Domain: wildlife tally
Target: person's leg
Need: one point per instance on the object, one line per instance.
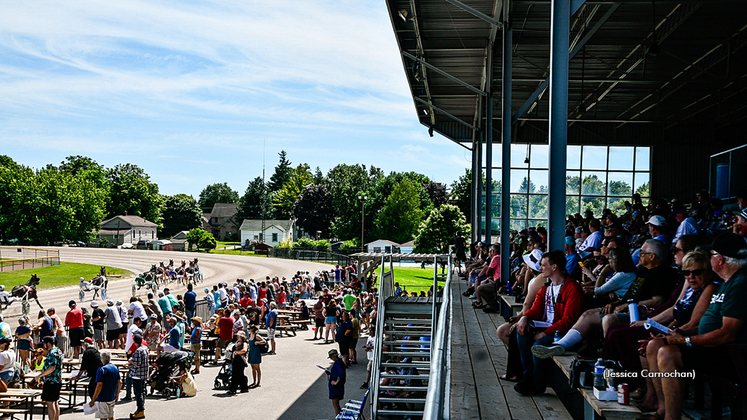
(670, 360)
(650, 402)
(525, 343)
(259, 374)
(55, 410)
(504, 332)
(652, 355)
(613, 319)
(139, 386)
(487, 294)
(272, 345)
(128, 388)
(254, 374)
(541, 367)
(336, 405)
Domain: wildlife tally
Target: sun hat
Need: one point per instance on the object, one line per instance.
(198, 319)
(119, 303)
(110, 302)
(657, 221)
(331, 353)
(154, 316)
(532, 259)
(94, 304)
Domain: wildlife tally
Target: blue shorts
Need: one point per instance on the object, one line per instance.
(330, 320)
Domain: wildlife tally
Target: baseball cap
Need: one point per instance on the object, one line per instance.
(570, 241)
(741, 213)
(88, 340)
(657, 221)
(729, 245)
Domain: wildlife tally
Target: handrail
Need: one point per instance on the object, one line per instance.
(386, 288)
(437, 402)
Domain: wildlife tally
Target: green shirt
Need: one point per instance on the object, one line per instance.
(728, 301)
(349, 300)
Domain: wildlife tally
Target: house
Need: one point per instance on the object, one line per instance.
(127, 229)
(162, 245)
(222, 222)
(275, 231)
(179, 241)
(383, 245)
(407, 247)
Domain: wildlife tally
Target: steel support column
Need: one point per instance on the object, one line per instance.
(474, 194)
(478, 185)
(489, 152)
(506, 87)
(559, 40)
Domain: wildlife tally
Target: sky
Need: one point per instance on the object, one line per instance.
(193, 91)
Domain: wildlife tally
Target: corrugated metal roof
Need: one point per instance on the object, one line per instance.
(699, 74)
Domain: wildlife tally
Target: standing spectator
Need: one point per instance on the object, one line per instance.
(152, 333)
(238, 364)
(60, 337)
(97, 320)
(90, 364)
(74, 321)
(330, 319)
(7, 359)
(139, 363)
(225, 324)
(87, 325)
(175, 305)
(370, 344)
(108, 385)
(155, 307)
(165, 305)
(336, 380)
(354, 335)
(137, 310)
(252, 314)
(195, 342)
(222, 295)
(255, 356)
(216, 297)
(113, 324)
(52, 376)
(23, 337)
(210, 299)
(134, 329)
(272, 324)
(44, 325)
(125, 322)
(343, 337)
(190, 302)
(349, 300)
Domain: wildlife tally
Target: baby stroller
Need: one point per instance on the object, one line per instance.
(223, 379)
(165, 369)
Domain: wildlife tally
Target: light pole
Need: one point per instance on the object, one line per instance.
(363, 199)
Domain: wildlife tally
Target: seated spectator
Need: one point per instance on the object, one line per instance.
(722, 323)
(594, 240)
(558, 304)
(656, 282)
(487, 289)
(624, 274)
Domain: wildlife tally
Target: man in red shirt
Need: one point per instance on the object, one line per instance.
(74, 321)
(486, 289)
(245, 301)
(225, 323)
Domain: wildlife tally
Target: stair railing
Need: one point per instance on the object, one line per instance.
(439, 382)
(386, 289)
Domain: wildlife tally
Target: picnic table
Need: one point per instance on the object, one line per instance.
(69, 386)
(294, 319)
(21, 401)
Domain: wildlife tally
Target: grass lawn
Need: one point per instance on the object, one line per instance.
(65, 274)
(237, 251)
(414, 278)
(227, 243)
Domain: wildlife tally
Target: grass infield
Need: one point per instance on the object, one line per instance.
(65, 274)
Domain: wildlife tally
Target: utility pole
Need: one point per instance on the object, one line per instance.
(363, 199)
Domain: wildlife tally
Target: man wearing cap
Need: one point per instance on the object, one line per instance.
(113, 324)
(349, 299)
(336, 376)
(108, 384)
(98, 318)
(740, 225)
(134, 329)
(139, 364)
(722, 323)
(195, 342)
(90, 364)
(190, 302)
(52, 376)
(165, 305)
(74, 321)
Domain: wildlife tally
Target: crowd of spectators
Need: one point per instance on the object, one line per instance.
(681, 265)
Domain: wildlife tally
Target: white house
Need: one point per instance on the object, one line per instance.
(382, 245)
(275, 231)
(127, 229)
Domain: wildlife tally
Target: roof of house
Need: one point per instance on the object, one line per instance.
(384, 240)
(255, 225)
(180, 236)
(224, 210)
(410, 244)
(122, 231)
(131, 220)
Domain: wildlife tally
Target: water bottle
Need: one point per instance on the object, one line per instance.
(557, 337)
(633, 311)
(599, 381)
(508, 287)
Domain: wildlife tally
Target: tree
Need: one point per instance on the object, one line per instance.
(132, 192)
(255, 202)
(437, 193)
(181, 213)
(437, 231)
(347, 183)
(282, 173)
(217, 193)
(401, 216)
(313, 210)
(202, 239)
(285, 198)
(461, 194)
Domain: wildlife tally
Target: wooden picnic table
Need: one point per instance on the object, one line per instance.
(24, 399)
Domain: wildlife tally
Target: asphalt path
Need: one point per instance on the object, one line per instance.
(292, 386)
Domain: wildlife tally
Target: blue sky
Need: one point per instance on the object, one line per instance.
(189, 91)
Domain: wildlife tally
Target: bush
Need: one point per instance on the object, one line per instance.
(285, 243)
(306, 243)
(352, 245)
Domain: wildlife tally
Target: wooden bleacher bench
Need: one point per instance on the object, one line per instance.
(608, 409)
(509, 306)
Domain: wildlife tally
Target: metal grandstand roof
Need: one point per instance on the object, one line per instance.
(653, 62)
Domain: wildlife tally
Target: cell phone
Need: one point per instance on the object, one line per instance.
(580, 264)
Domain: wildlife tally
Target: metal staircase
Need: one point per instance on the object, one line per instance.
(402, 365)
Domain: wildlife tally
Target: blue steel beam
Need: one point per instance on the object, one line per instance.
(559, 41)
(474, 12)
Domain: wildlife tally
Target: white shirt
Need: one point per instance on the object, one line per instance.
(222, 294)
(369, 353)
(7, 358)
(688, 227)
(130, 334)
(137, 310)
(592, 241)
(552, 293)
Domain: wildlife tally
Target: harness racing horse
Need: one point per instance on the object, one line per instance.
(25, 292)
(100, 282)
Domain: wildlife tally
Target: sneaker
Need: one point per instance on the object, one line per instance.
(545, 352)
(473, 297)
(365, 385)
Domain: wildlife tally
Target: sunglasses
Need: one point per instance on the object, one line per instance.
(676, 249)
(696, 272)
